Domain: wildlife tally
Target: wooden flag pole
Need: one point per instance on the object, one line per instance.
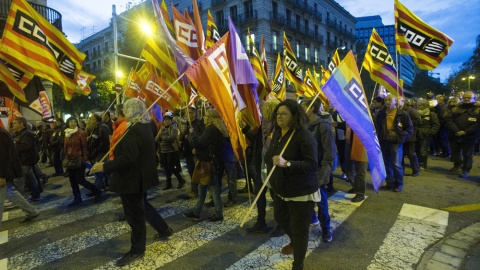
(140, 117)
(396, 60)
(273, 168)
(374, 88)
(10, 114)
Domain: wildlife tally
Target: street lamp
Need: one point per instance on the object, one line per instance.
(469, 78)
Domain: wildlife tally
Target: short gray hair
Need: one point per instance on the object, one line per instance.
(133, 109)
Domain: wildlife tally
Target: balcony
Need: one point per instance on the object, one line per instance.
(319, 38)
(278, 49)
(54, 17)
(332, 24)
(317, 15)
(248, 16)
(331, 45)
(302, 5)
(277, 18)
(218, 2)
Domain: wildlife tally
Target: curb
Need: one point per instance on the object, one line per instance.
(451, 252)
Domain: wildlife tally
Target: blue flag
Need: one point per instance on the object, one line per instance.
(344, 89)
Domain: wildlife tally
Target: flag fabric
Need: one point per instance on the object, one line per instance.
(263, 88)
(30, 39)
(7, 105)
(382, 91)
(325, 75)
(334, 62)
(212, 32)
(312, 88)
(199, 28)
(145, 70)
(166, 19)
(83, 83)
(10, 87)
(210, 75)
(291, 68)
(134, 85)
(379, 63)
(244, 79)
(345, 91)
(278, 83)
(32, 94)
(186, 34)
(156, 87)
(156, 114)
(182, 60)
(263, 58)
(425, 44)
(21, 72)
(47, 110)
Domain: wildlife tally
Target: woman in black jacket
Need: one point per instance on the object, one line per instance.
(294, 180)
(208, 147)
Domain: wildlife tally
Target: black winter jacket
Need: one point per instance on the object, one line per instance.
(301, 177)
(429, 126)
(403, 127)
(9, 161)
(465, 117)
(327, 148)
(25, 141)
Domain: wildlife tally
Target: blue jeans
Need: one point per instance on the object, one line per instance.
(3, 194)
(99, 183)
(392, 156)
(323, 215)
(30, 180)
(216, 191)
(231, 172)
(17, 198)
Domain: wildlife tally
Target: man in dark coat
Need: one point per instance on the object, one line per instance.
(409, 145)
(441, 138)
(25, 142)
(98, 146)
(10, 169)
(133, 172)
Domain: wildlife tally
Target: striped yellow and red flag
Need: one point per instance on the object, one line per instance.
(263, 58)
(156, 87)
(291, 68)
(30, 39)
(278, 89)
(166, 19)
(263, 88)
(335, 62)
(312, 88)
(325, 75)
(379, 63)
(186, 34)
(212, 32)
(83, 83)
(199, 28)
(135, 85)
(425, 44)
(22, 73)
(158, 54)
(12, 87)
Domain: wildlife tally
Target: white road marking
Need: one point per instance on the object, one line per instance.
(3, 238)
(415, 229)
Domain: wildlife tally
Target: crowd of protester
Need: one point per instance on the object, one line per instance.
(318, 139)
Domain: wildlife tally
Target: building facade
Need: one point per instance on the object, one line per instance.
(407, 69)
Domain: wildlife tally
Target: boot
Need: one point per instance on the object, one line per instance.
(181, 183)
(98, 195)
(76, 200)
(169, 184)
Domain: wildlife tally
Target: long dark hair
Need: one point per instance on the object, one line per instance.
(299, 117)
(72, 118)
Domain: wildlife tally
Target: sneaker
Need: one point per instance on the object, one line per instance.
(128, 258)
(75, 202)
(343, 176)
(229, 203)
(167, 187)
(28, 219)
(358, 198)
(9, 205)
(191, 215)
(31, 199)
(215, 218)
(315, 221)
(287, 249)
(464, 174)
(327, 235)
(163, 235)
(90, 194)
(455, 169)
(387, 187)
(181, 184)
(258, 227)
(416, 174)
(98, 196)
(397, 189)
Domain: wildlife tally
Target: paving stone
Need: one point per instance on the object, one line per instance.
(458, 243)
(454, 251)
(446, 258)
(436, 265)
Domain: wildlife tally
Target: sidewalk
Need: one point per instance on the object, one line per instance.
(460, 250)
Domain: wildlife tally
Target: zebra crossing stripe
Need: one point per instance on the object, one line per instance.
(415, 229)
(268, 255)
(5, 216)
(64, 247)
(3, 264)
(187, 240)
(3, 238)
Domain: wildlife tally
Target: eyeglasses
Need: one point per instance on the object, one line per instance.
(283, 114)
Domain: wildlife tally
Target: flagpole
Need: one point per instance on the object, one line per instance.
(396, 60)
(11, 111)
(140, 117)
(374, 88)
(273, 168)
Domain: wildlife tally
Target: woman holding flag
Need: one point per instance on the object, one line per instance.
(295, 180)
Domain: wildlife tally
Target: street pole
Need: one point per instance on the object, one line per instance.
(115, 48)
(468, 83)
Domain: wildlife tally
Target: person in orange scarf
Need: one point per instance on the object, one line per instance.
(118, 127)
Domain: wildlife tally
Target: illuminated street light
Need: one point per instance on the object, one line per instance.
(146, 28)
(119, 74)
(469, 78)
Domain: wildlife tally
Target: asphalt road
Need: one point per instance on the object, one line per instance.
(386, 230)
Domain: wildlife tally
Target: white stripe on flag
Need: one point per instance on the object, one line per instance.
(268, 255)
(416, 228)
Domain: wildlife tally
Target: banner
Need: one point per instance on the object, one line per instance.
(345, 91)
(278, 89)
(212, 32)
(291, 68)
(379, 63)
(186, 34)
(29, 39)
(10, 87)
(263, 88)
(83, 83)
(426, 45)
(154, 88)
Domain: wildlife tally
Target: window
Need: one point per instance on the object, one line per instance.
(307, 53)
(94, 66)
(94, 53)
(100, 64)
(233, 13)
(248, 6)
(219, 18)
(316, 30)
(274, 41)
(289, 17)
(316, 55)
(87, 68)
(306, 26)
(298, 49)
(86, 53)
(275, 10)
(106, 46)
(297, 21)
(98, 50)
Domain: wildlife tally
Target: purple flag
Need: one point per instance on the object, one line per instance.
(182, 60)
(239, 62)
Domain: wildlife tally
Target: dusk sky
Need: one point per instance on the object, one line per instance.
(458, 19)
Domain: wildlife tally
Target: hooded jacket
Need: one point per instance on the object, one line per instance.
(321, 129)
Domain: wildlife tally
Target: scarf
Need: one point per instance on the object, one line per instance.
(69, 132)
(424, 112)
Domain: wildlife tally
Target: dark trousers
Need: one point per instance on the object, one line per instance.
(262, 199)
(465, 149)
(423, 149)
(341, 154)
(323, 215)
(356, 172)
(392, 157)
(57, 162)
(294, 218)
(169, 163)
(76, 177)
(190, 160)
(412, 157)
(441, 140)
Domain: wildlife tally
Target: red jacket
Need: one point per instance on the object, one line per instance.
(76, 145)
(119, 128)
